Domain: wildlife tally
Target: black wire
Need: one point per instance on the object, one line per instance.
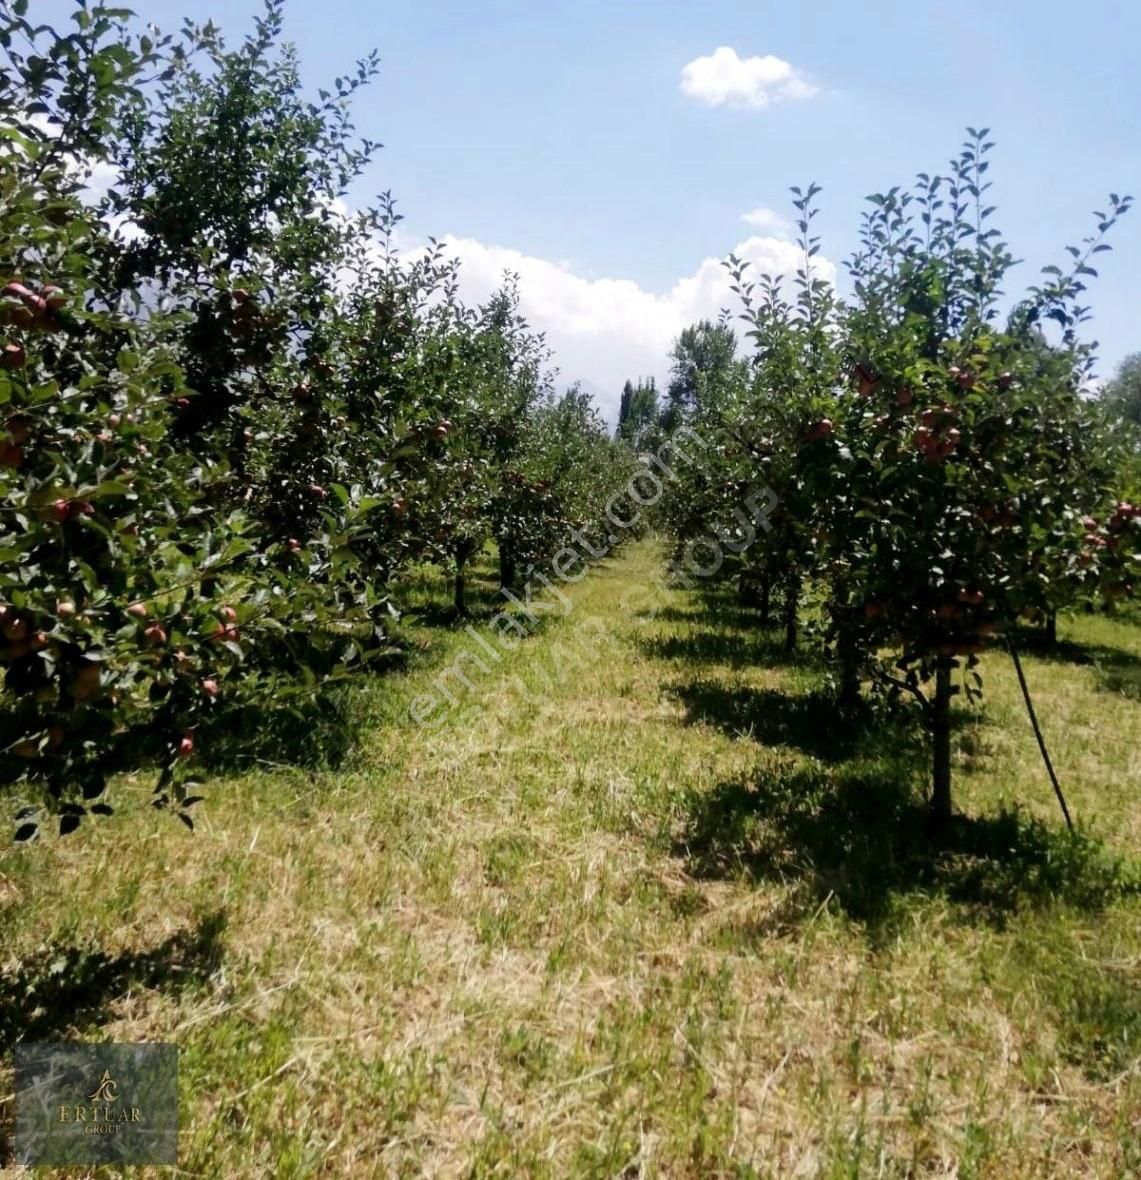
(1038, 735)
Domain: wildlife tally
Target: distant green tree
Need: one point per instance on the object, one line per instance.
(1122, 395)
(638, 412)
(625, 403)
(705, 365)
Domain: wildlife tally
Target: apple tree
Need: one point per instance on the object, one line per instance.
(968, 443)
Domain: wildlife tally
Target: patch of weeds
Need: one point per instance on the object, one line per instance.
(506, 856)
(1097, 1004)
(528, 1051)
(866, 841)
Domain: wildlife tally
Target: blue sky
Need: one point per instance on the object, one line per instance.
(557, 138)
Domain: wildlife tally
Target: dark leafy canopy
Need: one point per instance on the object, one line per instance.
(939, 472)
(231, 412)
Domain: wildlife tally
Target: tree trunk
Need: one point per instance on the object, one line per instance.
(460, 589)
(1052, 627)
(941, 747)
(791, 619)
(506, 567)
(766, 601)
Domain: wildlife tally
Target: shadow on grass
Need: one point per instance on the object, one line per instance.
(864, 840)
(809, 722)
(732, 647)
(1125, 682)
(314, 733)
(66, 989)
(1117, 669)
(1033, 642)
(483, 600)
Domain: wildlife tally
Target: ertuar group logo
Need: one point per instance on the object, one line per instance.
(106, 1091)
(96, 1104)
(105, 1116)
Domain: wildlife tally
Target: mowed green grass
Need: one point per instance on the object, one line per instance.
(645, 907)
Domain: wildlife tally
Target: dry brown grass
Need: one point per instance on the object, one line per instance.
(554, 938)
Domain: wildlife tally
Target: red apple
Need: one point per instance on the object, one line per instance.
(60, 510)
(186, 746)
(904, 397)
(294, 544)
(866, 381)
(32, 305)
(15, 628)
(156, 634)
(210, 688)
(138, 610)
(228, 613)
(53, 297)
(13, 357)
(65, 609)
(11, 455)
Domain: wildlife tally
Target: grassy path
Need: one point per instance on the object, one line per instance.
(640, 909)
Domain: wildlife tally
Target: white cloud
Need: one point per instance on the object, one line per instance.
(768, 219)
(604, 330)
(723, 78)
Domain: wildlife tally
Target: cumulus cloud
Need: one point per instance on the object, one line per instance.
(604, 330)
(768, 219)
(724, 78)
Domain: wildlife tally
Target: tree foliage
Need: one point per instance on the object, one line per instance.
(232, 412)
(939, 473)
